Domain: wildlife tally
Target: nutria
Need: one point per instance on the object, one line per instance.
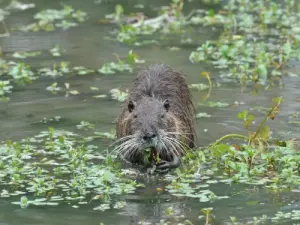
(158, 116)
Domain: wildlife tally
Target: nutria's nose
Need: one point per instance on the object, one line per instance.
(149, 136)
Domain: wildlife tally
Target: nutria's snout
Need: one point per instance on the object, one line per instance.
(149, 139)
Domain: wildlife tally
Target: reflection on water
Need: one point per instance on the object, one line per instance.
(86, 45)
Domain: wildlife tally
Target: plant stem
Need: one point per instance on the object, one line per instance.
(207, 219)
(264, 121)
(207, 75)
(227, 136)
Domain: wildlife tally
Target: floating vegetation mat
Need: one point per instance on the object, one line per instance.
(258, 38)
(57, 166)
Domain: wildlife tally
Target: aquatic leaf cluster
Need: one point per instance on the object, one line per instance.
(19, 6)
(58, 166)
(131, 28)
(171, 216)
(50, 19)
(24, 55)
(259, 161)
(5, 88)
(21, 73)
(121, 65)
(259, 40)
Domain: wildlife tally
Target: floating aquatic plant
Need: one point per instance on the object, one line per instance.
(254, 47)
(169, 20)
(50, 19)
(5, 88)
(120, 66)
(24, 55)
(60, 169)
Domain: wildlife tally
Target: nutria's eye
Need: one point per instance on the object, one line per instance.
(131, 106)
(134, 116)
(162, 116)
(166, 105)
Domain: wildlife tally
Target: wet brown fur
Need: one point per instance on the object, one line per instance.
(161, 82)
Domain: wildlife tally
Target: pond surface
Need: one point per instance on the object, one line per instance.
(87, 45)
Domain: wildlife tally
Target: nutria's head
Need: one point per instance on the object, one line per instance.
(150, 123)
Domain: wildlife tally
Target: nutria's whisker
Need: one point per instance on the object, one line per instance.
(173, 145)
(179, 144)
(164, 151)
(122, 139)
(133, 153)
(183, 135)
(123, 145)
(164, 147)
(130, 152)
(117, 143)
(182, 144)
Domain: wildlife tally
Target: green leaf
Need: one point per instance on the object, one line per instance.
(242, 115)
(265, 133)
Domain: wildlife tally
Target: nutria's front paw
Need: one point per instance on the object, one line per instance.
(164, 166)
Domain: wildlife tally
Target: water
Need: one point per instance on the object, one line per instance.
(86, 45)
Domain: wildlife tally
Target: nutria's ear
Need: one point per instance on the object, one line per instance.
(166, 105)
(131, 106)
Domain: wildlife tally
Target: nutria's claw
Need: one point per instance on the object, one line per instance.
(164, 166)
(162, 171)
